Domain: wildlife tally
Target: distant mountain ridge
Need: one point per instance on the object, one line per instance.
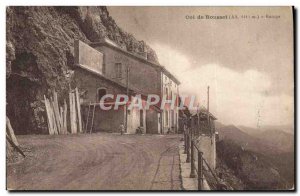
(272, 140)
(285, 128)
(282, 140)
(274, 137)
(231, 132)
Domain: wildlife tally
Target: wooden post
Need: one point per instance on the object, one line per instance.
(52, 116)
(74, 113)
(193, 172)
(78, 110)
(52, 122)
(71, 113)
(14, 145)
(200, 170)
(65, 117)
(48, 116)
(56, 112)
(10, 132)
(61, 120)
(188, 158)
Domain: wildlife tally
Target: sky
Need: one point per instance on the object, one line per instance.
(247, 62)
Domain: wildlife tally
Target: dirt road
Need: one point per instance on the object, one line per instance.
(97, 162)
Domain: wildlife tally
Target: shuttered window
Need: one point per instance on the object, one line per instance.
(118, 70)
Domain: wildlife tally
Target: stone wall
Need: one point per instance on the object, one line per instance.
(207, 145)
(142, 77)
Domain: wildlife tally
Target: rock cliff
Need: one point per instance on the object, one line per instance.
(40, 55)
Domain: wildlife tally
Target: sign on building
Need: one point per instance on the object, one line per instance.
(88, 57)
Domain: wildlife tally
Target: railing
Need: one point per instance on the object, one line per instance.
(203, 168)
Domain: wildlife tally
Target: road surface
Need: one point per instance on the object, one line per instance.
(100, 161)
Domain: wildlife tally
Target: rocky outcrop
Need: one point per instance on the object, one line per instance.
(40, 55)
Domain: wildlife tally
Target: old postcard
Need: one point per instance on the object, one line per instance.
(150, 98)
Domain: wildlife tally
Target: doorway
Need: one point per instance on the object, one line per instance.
(141, 118)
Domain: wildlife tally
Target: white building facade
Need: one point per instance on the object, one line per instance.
(170, 91)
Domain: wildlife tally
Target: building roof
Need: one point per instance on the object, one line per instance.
(202, 112)
(111, 44)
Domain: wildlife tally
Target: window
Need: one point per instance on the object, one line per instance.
(167, 92)
(103, 69)
(100, 93)
(118, 70)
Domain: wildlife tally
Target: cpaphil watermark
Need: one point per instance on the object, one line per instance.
(114, 102)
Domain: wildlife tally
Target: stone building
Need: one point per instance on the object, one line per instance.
(105, 68)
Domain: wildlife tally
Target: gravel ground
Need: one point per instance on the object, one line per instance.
(100, 161)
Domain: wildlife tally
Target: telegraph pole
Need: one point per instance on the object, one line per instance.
(127, 93)
(198, 115)
(207, 103)
(208, 118)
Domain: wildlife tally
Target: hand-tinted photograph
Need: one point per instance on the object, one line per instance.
(112, 98)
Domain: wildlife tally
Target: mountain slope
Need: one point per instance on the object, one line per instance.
(249, 130)
(275, 137)
(258, 159)
(255, 170)
(282, 140)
